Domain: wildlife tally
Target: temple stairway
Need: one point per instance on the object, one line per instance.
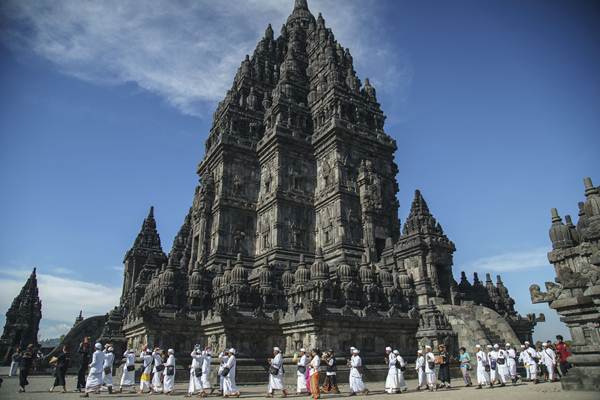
(478, 325)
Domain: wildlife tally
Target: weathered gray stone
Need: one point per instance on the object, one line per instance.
(576, 293)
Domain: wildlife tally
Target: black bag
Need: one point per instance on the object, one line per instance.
(402, 369)
(131, 368)
(487, 368)
(273, 370)
(160, 367)
(107, 370)
(302, 369)
(431, 365)
(493, 364)
(225, 372)
(170, 370)
(397, 364)
(198, 372)
(500, 361)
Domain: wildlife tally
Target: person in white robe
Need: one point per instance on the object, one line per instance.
(223, 358)
(523, 357)
(301, 372)
(93, 383)
(430, 369)
(401, 366)
(549, 360)
(195, 384)
(170, 369)
(157, 370)
(492, 355)
(107, 377)
(356, 380)
(420, 368)
(392, 385)
(229, 387)
(205, 378)
(532, 362)
(128, 375)
(276, 373)
(502, 373)
(511, 362)
(313, 373)
(14, 363)
(146, 378)
(483, 364)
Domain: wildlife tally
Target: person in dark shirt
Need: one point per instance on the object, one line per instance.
(61, 365)
(25, 364)
(444, 362)
(84, 351)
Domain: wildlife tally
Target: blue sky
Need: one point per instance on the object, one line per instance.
(105, 107)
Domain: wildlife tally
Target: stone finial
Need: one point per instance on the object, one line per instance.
(300, 5)
(555, 216)
(499, 280)
(587, 183)
(269, 32)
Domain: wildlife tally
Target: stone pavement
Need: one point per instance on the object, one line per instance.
(38, 390)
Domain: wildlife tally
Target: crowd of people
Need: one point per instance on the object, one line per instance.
(491, 364)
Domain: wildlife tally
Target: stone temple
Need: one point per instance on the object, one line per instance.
(575, 294)
(293, 237)
(22, 320)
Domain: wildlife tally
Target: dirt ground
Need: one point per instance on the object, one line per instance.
(38, 390)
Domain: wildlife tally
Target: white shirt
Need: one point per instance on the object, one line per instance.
(97, 362)
(315, 363)
(420, 362)
(197, 359)
(108, 360)
(170, 361)
(129, 358)
(206, 362)
(548, 356)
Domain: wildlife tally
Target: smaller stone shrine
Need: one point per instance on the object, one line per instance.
(575, 292)
(22, 320)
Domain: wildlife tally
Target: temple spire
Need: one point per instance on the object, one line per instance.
(300, 5)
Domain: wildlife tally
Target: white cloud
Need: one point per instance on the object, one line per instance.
(185, 51)
(62, 297)
(511, 261)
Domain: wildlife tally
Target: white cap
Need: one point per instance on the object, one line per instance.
(526, 342)
(98, 346)
(489, 346)
(148, 351)
(110, 348)
(171, 351)
(303, 350)
(232, 350)
(545, 344)
(352, 348)
(355, 351)
(419, 351)
(388, 348)
(428, 347)
(496, 346)
(478, 346)
(396, 352)
(507, 344)
(522, 346)
(277, 349)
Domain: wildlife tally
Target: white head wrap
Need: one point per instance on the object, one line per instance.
(303, 350)
(355, 351)
(545, 344)
(526, 342)
(427, 347)
(419, 351)
(522, 346)
(396, 352)
(232, 350)
(171, 351)
(478, 346)
(98, 346)
(496, 346)
(507, 344)
(388, 348)
(277, 349)
(489, 346)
